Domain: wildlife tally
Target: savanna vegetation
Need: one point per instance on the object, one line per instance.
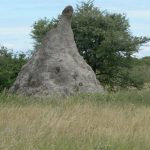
(108, 121)
(10, 65)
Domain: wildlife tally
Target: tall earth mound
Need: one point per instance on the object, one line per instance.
(57, 67)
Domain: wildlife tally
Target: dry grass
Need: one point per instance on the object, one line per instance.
(75, 126)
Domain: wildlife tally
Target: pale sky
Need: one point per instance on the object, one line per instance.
(17, 17)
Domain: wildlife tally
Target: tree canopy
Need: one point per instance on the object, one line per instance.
(10, 66)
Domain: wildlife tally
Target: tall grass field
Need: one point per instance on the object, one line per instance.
(110, 121)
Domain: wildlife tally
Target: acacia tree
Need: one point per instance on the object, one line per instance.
(103, 39)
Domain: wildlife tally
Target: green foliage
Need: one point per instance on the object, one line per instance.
(103, 39)
(10, 66)
(40, 28)
(142, 61)
(141, 70)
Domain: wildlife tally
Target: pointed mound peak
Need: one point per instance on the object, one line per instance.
(68, 11)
